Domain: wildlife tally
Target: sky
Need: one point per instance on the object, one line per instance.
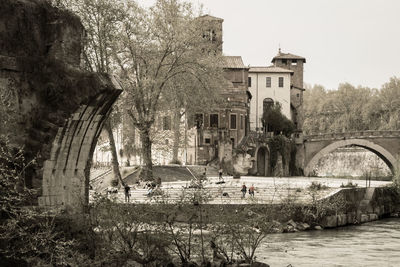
(354, 41)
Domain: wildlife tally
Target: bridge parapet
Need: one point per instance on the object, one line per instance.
(353, 134)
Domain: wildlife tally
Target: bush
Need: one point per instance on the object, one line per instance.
(316, 186)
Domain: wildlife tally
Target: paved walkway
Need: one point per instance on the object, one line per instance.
(268, 190)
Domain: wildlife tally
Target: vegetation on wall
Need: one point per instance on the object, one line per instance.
(274, 121)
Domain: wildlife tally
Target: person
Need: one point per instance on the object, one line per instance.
(127, 192)
(244, 190)
(220, 174)
(251, 190)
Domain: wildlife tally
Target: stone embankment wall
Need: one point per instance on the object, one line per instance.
(364, 205)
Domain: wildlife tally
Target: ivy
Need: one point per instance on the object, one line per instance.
(282, 145)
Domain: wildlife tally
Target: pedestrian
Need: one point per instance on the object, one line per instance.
(244, 190)
(251, 190)
(220, 175)
(127, 192)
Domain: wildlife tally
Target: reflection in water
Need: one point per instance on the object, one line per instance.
(370, 244)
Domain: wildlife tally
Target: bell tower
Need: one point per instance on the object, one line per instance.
(212, 32)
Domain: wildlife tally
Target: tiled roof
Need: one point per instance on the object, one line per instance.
(287, 56)
(233, 62)
(270, 69)
(209, 17)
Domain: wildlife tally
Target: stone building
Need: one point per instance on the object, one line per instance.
(268, 85)
(295, 64)
(282, 82)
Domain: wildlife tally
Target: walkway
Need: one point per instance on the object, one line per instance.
(268, 190)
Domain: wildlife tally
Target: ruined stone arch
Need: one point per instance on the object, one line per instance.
(381, 152)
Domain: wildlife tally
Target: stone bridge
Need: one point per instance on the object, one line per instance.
(385, 144)
(49, 105)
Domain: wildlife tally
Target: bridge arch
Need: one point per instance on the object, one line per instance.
(381, 152)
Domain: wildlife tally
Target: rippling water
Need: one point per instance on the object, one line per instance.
(370, 244)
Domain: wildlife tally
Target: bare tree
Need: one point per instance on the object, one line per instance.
(157, 49)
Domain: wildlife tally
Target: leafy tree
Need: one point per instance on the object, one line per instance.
(156, 49)
(274, 121)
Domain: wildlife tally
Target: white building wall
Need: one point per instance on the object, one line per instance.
(260, 91)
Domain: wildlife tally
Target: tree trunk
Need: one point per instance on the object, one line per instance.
(114, 157)
(147, 170)
(177, 136)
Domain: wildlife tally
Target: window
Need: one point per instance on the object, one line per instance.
(233, 121)
(207, 141)
(249, 81)
(241, 122)
(268, 81)
(198, 119)
(166, 123)
(294, 61)
(214, 120)
(280, 81)
(298, 95)
(284, 61)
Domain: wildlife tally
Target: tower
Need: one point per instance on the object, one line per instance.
(212, 31)
(295, 64)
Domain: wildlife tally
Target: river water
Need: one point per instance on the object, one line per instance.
(370, 244)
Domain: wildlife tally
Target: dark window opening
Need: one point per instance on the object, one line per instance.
(298, 95)
(198, 118)
(284, 61)
(233, 121)
(166, 141)
(294, 61)
(233, 142)
(166, 123)
(241, 122)
(249, 81)
(280, 81)
(207, 141)
(214, 120)
(268, 81)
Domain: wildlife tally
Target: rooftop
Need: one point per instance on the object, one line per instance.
(281, 55)
(233, 62)
(269, 69)
(209, 17)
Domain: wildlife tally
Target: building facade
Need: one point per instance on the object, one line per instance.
(268, 85)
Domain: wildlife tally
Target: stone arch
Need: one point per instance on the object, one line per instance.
(262, 161)
(66, 173)
(381, 152)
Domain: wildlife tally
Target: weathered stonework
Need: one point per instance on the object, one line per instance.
(48, 105)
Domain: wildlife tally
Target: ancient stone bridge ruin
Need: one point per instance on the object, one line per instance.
(49, 106)
(385, 144)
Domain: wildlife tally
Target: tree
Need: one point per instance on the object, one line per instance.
(274, 121)
(156, 49)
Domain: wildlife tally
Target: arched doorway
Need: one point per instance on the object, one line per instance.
(262, 161)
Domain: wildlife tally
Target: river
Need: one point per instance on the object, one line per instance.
(370, 244)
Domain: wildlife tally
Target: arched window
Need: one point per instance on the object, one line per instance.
(267, 103)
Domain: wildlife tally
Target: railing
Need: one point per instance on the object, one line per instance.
(363, 134)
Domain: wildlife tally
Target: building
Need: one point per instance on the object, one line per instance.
(295, 64)
(268, 85)
(282, 82)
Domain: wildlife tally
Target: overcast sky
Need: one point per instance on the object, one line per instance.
(355, 41)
